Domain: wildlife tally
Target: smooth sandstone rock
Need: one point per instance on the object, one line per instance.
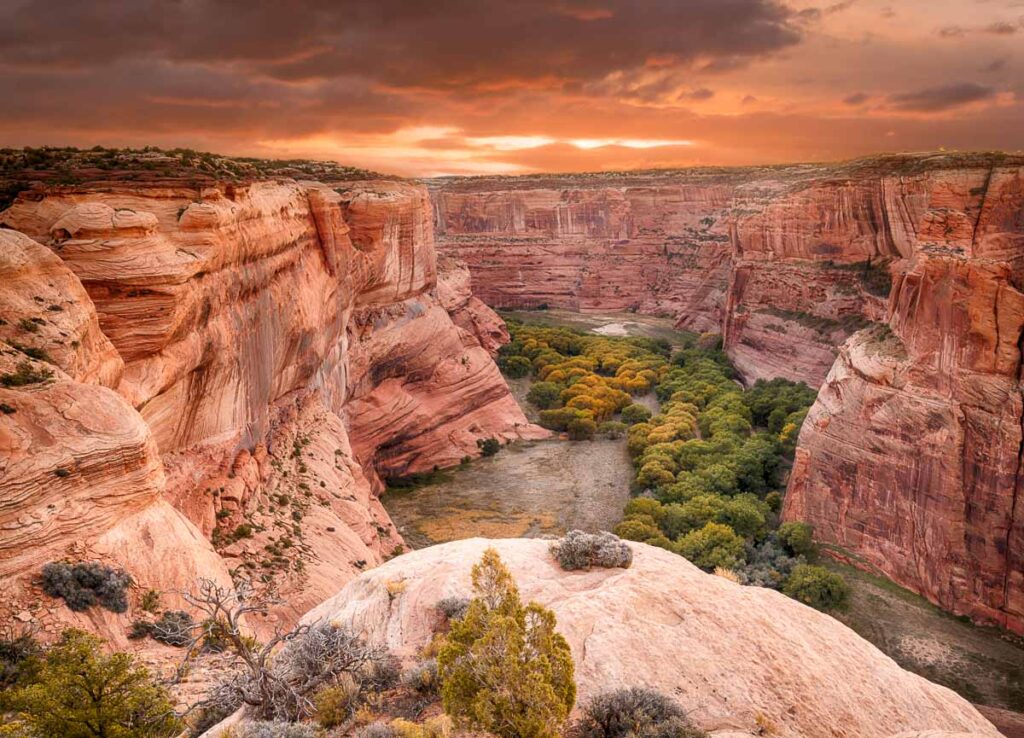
(250, 331)
(730, 655)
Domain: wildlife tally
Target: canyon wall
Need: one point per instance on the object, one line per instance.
(909, 462)
(211, 380)
(785, 262)
(896, 277)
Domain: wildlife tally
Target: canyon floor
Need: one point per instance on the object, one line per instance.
(539, 488)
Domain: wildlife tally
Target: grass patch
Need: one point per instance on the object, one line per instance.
(410, 482)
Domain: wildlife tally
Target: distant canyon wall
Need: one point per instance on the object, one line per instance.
(896, 281)
(233, 369)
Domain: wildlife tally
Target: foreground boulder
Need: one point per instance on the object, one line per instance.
(739, 659)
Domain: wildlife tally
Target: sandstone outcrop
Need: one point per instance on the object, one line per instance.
(737, 658)
(235, 362)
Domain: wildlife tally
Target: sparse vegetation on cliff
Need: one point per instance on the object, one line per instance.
(85, 584)
(635, 712)
(20, 168)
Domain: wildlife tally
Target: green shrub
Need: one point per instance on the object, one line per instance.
(83, 585)
(797, 537)
(637, 529)
(335, 703)
(544, 395)
(635, 413)
(818, 587)
(581, 429)
(504, 669)
(488, 446)
(612, 429)
(514, 367)
(80, 692)
(714, 545)
(150, 601)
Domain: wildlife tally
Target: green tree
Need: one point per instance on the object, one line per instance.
(634, 413)
(797, 537)
(544, 395)
(818, 587)
(504, 669)
(581, 429)
(712, 546)
(514, 367)
(78, 691)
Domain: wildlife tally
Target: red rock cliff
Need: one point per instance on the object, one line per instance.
(911, 458)
(785, 262)
(232, 367)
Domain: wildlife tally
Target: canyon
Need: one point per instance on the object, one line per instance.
(230, 369)
(894, 283)
(212, 376)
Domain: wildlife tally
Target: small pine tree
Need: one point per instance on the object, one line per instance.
(78, 691)
(504, 669)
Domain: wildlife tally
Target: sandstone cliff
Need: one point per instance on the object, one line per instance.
(785, 262)
(738, 659)
(235, 363)
(910, 460)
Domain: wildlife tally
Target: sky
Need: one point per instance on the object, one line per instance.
(432, 87)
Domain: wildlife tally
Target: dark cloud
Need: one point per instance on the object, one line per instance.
(996, 65)
(857, 98)
(944, 97)
(700, 94)
(952, 31)
(446, 44)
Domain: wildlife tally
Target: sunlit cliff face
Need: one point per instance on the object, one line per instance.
(511, 86)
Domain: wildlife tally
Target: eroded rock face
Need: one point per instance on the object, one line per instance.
(910, 460)
(267, 350)
(775, 259)
(731, 655)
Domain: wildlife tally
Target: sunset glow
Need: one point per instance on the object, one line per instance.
(543, 85)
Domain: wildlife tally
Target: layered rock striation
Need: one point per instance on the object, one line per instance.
(785, 262)
(910, 460)
(232, 368)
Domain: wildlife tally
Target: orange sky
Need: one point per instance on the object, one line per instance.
(469, 86)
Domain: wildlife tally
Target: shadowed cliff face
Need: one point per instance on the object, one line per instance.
(899, 278)
(225, 356)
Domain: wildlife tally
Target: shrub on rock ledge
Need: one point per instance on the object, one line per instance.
(504, 668)
(83, 585)
(580, 550)
(636, 711)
